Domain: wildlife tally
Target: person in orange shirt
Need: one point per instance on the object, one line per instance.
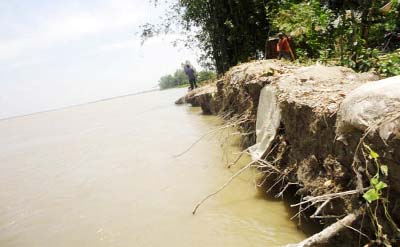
(283, 47)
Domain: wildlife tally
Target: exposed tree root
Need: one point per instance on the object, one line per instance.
(238, 158)
(280, 194)
(322, 198)
(229, 125)
(305, 152)
(325, 235)
(319, 209)
(256, 163)
(223, 186)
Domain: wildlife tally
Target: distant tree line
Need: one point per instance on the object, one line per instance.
(233, 31)
(179, 78)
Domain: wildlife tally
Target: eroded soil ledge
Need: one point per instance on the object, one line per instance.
(330, 175)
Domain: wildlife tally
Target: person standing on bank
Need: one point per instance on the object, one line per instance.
(283, 47)
(191, 74)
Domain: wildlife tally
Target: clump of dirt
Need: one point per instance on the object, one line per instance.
(306, 150)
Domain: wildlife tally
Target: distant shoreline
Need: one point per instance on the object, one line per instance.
(80, 104)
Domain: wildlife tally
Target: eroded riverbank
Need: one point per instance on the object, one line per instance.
(329, 133)
(104, 174)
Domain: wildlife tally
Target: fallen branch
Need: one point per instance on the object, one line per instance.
(223, 186)
(325, 235)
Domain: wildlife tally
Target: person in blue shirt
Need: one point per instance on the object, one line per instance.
(191, 74)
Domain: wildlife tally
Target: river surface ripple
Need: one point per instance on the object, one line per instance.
(104, 174)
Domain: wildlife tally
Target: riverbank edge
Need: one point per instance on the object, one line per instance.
(307, 159)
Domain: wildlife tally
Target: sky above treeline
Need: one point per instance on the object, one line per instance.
(65, 52)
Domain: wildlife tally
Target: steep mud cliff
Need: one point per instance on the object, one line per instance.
(329, 174)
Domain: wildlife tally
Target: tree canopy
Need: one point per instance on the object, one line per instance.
(229, 32)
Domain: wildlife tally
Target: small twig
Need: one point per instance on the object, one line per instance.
(320, 208)
(223, 186)
(284, 189)
(270, 151)
(265, 179)
(361, 227)
(359, 177)
(279, 179)
(242, 134)
(301, 209)
(358, 231)
(329, 196)
(206, 134)
(238, 158)
(266, 164)
(328, 216)
(358, 146)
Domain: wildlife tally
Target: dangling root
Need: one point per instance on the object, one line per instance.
(223, 186)
(229, 125)
(238, 158)
(325, 235)
(322, 198)
(256, 163)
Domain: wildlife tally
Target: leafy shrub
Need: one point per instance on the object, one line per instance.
(174, 80)
(205, 75)
(308, 22)
(388, 65)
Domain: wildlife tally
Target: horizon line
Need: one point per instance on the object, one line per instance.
(80, 104)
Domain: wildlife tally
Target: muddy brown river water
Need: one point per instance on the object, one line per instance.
(104, 174)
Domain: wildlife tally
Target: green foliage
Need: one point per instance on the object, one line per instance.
(230, 32)
(375, 192)
(174, 80)
(179, 78)
(346, 32)
(206, 75)
(389, 65)
(308, 22)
